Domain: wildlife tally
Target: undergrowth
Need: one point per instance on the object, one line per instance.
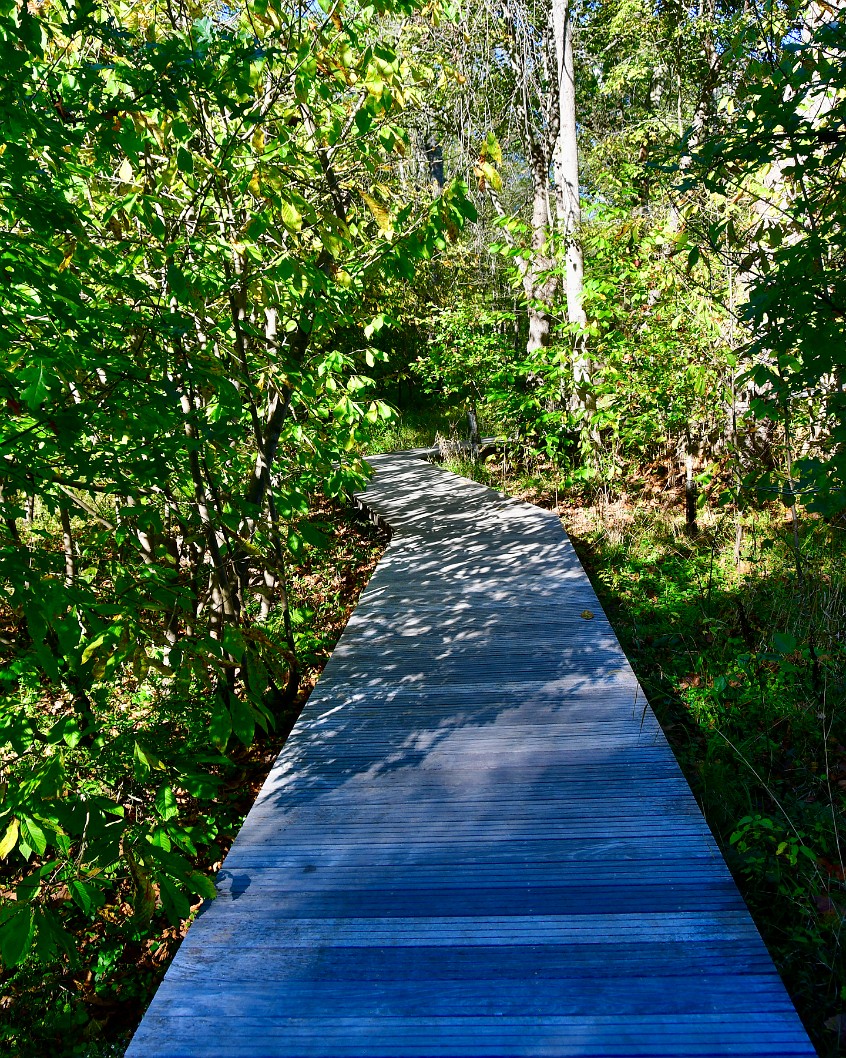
(87, 1000)
(412, 428)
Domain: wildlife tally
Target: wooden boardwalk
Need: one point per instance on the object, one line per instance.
(476, 841)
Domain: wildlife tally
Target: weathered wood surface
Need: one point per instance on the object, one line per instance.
(476, 840)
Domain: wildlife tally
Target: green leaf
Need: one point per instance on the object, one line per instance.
(312, 535)
(145, 762)
(166, 804)
(176, 280)
(34, 836)
(256, 677)
(156, 225)
(86, 897)
(184, 160)
(243, 721)
(51, 940)
(37, 389)
(107, 960)
(376, 324)
(784, 643)
(174, 902)
(491, 149)
(202, 885)
(17, 929)
(220, 725)
(291, 216)
(201, 786)
(363, 121)
(159, 839)
(232, 642)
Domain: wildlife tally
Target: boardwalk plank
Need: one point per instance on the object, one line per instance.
(584, 970)
(476, 841)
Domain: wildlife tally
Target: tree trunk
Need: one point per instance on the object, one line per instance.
(435, 160)
(689, 490)
(539, 130)
(67, 545)
(539, 281)
(473, 429)
(567, 201)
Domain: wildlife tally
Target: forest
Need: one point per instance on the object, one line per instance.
(593, 249)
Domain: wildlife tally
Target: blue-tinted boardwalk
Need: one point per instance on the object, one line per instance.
(476, 840)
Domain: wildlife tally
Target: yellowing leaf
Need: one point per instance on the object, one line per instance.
(125, 171)
(68, 257)
(491, 150)
(291, 216)
(95, 643)
(380, 214)
(374, 84)
(9, 839)
(486, 173)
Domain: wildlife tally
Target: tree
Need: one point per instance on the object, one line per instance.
(195, 210)
(777, 169)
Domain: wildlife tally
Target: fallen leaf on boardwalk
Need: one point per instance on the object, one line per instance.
(587, 614)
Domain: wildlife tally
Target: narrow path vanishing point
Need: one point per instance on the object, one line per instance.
(476, 840)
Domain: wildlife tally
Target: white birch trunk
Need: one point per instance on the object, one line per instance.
(539, 281)
(567, 200)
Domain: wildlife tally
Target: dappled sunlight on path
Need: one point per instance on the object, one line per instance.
(476, 840)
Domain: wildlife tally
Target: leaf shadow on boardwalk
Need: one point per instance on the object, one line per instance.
(476, 840)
